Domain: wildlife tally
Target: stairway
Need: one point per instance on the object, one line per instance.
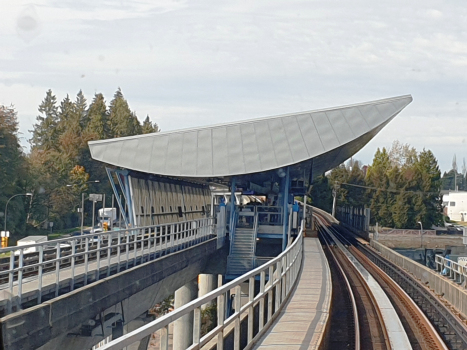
(242, 248)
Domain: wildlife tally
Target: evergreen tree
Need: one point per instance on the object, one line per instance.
(122, 121)
(400, 212)
(429, 202)
(97, 127)
(81, 110)
(60, 157)
(13, 176)
(148, 127)
(321, 195)
(381, 200)
(44, 134)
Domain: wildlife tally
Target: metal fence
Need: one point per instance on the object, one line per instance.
(449, 268)
(46, 270)
(276, 280)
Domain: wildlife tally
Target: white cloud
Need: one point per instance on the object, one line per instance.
(207, 62)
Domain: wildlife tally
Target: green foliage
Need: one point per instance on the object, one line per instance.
(164, 307)
(208, 318)
(122, 121)
(405, 193)
(148, 127)
(44, 134)
(97, 127)
(451, 179)
(321, 195)
(400, 187)
(60, 160)
(13, 172)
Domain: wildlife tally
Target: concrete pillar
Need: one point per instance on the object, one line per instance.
(206, 284)
(183, 327)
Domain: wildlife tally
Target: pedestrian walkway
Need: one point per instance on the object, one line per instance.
(302, 322)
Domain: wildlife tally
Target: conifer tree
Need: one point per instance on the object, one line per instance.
(97, 127)
(429, 202)
(44, 134)
(13, 169)
(122, 121)
(81, 110)
(148, 127)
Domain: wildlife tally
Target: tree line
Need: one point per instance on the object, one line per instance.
(401, 187)
(59, 166)
(455, 179)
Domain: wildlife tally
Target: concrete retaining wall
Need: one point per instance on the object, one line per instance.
(453, 293)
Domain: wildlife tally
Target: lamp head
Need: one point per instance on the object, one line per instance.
(29, 194)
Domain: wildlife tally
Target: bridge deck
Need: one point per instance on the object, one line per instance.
(302, 322)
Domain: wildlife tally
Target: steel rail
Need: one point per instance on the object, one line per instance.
(350, 294)
(428, 333)
(424, 326)
(436, 311)
(365, 285)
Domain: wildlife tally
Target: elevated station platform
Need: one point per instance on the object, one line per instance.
(302, 322)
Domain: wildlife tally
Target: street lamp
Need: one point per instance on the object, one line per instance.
(6, 206)
(82, 205)
(421, 234)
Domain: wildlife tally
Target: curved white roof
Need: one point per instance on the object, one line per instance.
(257, 145)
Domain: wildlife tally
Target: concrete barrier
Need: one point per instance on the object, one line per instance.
(448, 289)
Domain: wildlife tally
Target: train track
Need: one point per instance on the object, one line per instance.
(420, 332)
(368, 329)
(355, 307)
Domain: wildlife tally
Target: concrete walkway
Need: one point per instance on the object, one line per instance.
(302, 322)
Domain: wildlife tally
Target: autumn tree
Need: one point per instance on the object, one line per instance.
(60, 155)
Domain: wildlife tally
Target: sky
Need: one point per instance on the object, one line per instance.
(196, 63)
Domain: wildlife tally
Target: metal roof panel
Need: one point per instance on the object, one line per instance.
(254, 145)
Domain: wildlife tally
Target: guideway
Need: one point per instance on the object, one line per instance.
(302, 322)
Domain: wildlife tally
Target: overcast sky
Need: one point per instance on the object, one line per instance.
(204, 62)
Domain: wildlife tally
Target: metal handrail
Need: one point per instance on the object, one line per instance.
(120, 248)
(451, 269)
(282, 271)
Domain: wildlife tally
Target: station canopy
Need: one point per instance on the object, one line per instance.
(257, 151)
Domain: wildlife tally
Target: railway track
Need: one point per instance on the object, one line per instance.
(419, 330)
(353, 307)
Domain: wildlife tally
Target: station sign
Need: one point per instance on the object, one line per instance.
(94, 197)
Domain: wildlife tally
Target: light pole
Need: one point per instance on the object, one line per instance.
(8, 201)
(421, 234)
(82, 203)
(334, 195)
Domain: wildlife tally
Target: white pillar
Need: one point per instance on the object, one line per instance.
(206, 283)
(183, 327)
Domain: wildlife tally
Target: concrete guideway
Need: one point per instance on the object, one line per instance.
(302, 322)
(30, 279)
(136, 289)
(265, 300)
(394, 329)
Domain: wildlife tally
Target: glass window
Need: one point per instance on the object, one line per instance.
(452, 204)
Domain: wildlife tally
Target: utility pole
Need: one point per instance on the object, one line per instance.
(82, 212)
(334, 195)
